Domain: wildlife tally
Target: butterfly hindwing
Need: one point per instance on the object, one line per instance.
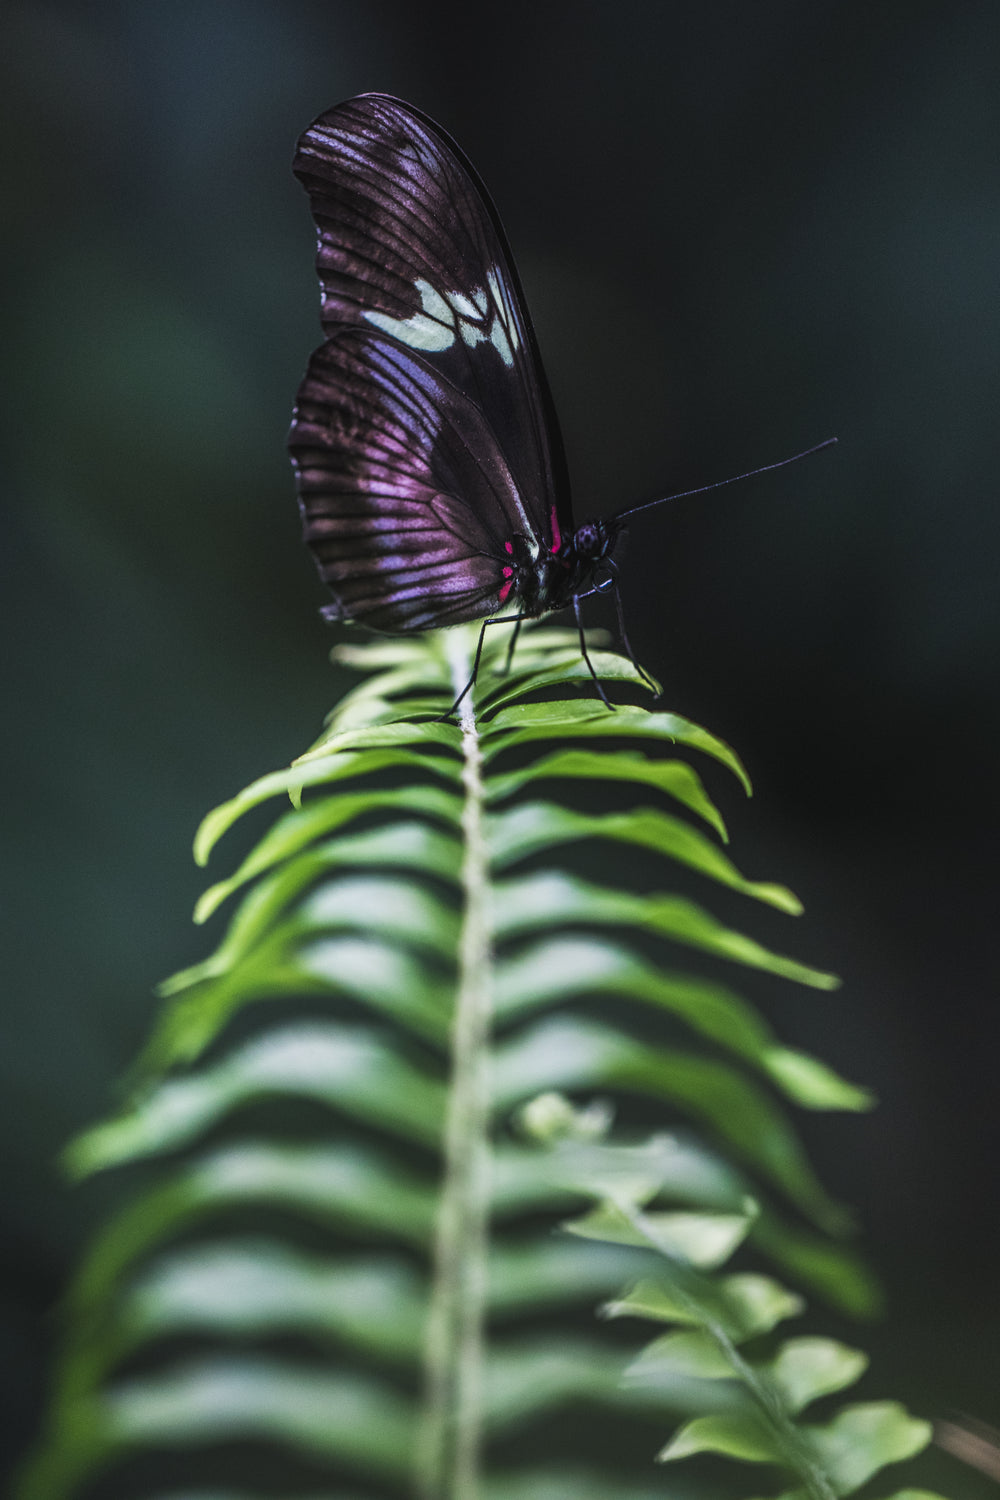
(406, 499)
(411, 251)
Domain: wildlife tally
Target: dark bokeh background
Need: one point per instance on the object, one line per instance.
(741, 228)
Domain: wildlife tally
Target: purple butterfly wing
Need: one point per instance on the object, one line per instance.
(412, 253)
(387, 455)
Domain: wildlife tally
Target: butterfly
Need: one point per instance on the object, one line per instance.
(430, 469)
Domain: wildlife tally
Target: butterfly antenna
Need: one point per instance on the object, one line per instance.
(719, 483)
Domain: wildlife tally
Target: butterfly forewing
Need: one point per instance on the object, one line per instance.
(411, 251)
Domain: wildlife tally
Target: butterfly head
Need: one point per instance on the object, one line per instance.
(591, 544)
(546, 580)
(592, 541)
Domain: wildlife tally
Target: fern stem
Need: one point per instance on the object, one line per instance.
(815, 1482)
(448, 1466)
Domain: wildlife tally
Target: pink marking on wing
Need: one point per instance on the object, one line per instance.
(509, 547)
(556, 533)
(506, 589)
(508, 572)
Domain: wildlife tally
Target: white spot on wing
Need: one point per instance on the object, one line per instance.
(443, 316)
(501, 343)
(434, 304)
(432, 329)
(504, 331)
(471, 333)
(462, 305)
(418, 332)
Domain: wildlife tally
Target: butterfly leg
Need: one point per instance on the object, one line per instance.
(623, 635)
(583, 652)
(510, 648)
(494, 620)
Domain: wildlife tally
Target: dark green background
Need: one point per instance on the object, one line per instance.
(742, 227)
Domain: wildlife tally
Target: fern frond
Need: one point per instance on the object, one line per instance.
(345, 1245)
(749, 1390)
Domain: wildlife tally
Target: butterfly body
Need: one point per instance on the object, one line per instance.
(554, 577)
